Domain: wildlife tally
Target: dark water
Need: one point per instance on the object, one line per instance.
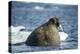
(23, 48)
(26, 14)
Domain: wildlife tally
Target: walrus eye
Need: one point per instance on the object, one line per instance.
(57, 23)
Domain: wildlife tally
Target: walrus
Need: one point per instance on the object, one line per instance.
(46, 34)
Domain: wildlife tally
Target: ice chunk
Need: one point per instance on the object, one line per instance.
(63, 36)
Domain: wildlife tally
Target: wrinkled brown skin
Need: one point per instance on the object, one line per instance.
(45, 35)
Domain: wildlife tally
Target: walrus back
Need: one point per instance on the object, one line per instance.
(45, 35)
(37, 37)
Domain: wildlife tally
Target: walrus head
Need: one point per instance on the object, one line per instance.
(54, 21)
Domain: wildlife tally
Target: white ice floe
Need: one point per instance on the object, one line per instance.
(62, 34)
(16, 29)
(18, 36)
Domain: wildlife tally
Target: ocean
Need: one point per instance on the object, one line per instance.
(32, 15)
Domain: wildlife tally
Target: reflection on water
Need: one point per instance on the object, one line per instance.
(23, 48)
